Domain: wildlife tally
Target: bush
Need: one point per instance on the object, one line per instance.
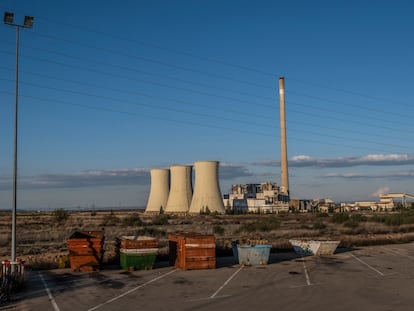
(133, 220)
(318, 226)
(218, 230)
(110, 220)
(358, 217)
(60, 215)
(151, 231)
(265, 224)
(160, 220)
(351, 223)
(322, 214)
(402, 218)
(339, 218)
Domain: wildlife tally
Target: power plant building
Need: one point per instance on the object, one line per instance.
(159, 192)
(257, 198)
(207, 195)
(178, 197)
(181, 190)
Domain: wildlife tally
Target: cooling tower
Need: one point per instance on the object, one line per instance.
(160, 186)
(284, 186)
(207, 194)
(181, 190)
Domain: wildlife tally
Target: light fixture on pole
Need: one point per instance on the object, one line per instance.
(28, 23)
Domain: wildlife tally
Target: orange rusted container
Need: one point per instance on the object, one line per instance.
(136, 242)
(191, 250)
(86, 250)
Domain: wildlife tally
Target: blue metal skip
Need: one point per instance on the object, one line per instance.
(250, 255)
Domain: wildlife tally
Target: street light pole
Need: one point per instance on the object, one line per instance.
(28, 23)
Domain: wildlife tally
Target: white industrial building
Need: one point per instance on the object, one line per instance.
(386, 203)
(257, 198)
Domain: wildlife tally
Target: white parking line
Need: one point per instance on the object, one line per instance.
(395, 252)
(131, 290)
(49, 294)
(227, 282)
(369, 266)
(308, 282)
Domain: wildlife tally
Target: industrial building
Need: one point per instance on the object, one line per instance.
(256, 198)
(172, 191)
(386, 203)
(181, 190)
(159, 192)
(206, 198)
(265, 197)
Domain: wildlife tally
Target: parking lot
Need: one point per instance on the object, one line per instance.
(368, 278)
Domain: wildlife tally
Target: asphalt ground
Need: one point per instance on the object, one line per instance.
(368, 278)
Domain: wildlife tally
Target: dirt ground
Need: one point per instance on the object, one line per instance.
(41, 236)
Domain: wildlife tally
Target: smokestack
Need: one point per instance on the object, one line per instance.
(284, 187)
(181, 190)
(160, 185)
(207, 194)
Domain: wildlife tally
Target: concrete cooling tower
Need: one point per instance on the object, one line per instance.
(160, 185)
(207, 194)
(181, 190)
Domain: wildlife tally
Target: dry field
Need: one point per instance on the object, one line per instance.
(41, 236)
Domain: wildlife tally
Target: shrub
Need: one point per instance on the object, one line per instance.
(402, 218)
(318, 226)
(322, 214)
(218, 230)
(133, 220)
(351, 223)
(110, 220)
(151, 231)
(160, 220)
(339, 218)
(265, 224)
(358, 217)
(60, 215)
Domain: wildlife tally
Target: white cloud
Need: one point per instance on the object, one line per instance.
(367, 160)
(301, 158)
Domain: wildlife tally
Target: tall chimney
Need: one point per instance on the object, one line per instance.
(284, 187)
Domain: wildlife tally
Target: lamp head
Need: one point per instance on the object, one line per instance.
(28, 21)
(8, 18)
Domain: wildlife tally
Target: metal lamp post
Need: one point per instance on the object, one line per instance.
(28, 23)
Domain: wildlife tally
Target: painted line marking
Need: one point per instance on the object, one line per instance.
(227, 282)
(131, 290)
(369, 266)
(49, 294)
(395, 252)
(308, 282)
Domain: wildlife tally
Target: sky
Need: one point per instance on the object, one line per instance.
(109, 90)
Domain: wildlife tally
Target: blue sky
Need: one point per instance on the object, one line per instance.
(109, 90)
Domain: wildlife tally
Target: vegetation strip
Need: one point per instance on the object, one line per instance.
(49, 294)
(131, 290)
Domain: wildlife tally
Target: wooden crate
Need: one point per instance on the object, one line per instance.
(191, 250)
